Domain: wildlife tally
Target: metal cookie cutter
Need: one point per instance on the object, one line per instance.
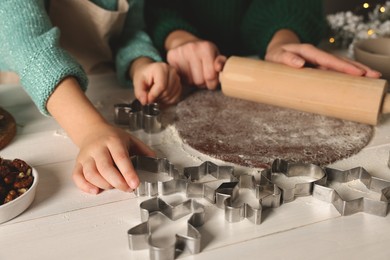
(137, 117)
(177, 183)
(207, 168)
(267, 195)
(140, 236)
(361, 204)
(313, 174)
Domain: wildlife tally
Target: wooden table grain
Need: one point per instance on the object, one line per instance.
(64, 223)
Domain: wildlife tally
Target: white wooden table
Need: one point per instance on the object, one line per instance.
(65, 223)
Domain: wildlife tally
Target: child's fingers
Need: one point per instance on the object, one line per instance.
(92, 175)
(176, 87)
(109, 172)
(160, 80)
(173, 91)
(81, 182)
(121, 158)
(140, 93)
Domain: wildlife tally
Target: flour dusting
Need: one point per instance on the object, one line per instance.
(253, 135)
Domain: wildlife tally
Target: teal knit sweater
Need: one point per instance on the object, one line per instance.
(237, 27)
(30, 46)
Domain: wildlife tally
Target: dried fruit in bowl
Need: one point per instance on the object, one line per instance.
(15, 179)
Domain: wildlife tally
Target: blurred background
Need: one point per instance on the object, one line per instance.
(332, 6)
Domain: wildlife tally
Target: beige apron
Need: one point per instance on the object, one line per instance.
(86, 30)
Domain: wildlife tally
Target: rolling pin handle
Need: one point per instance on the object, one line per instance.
(386, 104)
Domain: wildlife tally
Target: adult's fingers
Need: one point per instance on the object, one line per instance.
(219, 62)
(176, 59)
(210, 75)
(323, 59)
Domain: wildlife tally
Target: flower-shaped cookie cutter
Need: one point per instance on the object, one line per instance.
(363, 203)
(140, 236)
(194, 174)
(268, 196)
(136, 116)
(312, 173)
(158, 166)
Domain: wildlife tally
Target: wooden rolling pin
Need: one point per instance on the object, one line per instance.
(317, 91)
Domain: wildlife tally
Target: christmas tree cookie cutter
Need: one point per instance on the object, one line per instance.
(362, 203)
(152, 210)
(268, 195)
(136, 116)
(312, 174)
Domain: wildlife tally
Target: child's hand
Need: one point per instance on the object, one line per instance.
(104, 160)
(198, 62)
(155, 81)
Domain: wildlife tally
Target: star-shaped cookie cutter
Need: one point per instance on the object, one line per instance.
(136, 116)
(184, 183)
(291, 190)
(207, 168)
(177, 183)
(268, 196)
(140, 236)
(362, 204)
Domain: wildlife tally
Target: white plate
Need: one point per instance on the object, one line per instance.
(17, 206)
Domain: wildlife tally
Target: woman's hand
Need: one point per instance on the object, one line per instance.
(197, 61)
(285, 48)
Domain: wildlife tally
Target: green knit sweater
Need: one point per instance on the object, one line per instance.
(30, 46)
(238, 27)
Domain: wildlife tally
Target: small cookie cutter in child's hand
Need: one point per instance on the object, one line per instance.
(140, 236)
(362, 203)
(294, 170)
(137, 117)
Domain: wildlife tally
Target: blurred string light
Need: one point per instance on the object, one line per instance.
(367, 20)
(370, 32)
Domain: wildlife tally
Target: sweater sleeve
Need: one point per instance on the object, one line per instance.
(134, 42)
(264, 18)
(30, 47)
(164, 17)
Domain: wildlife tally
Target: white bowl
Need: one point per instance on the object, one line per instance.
(374, 53)
(17, 206)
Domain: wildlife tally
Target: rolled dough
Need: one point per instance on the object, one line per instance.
(253, 135)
